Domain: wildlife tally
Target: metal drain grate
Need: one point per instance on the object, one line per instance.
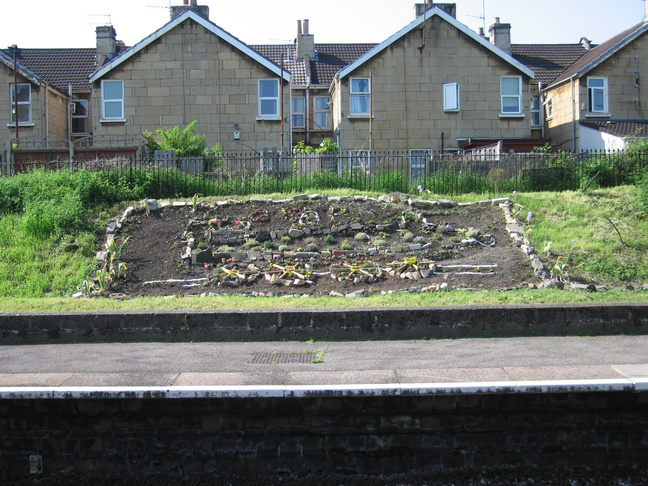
(282, 358)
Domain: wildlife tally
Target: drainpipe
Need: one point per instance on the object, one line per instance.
(69, 122)
(15, 87)
(281, 97)
(543, 121)
(46, 114)
(573, 96)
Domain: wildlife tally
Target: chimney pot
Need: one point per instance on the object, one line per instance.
(305, 41)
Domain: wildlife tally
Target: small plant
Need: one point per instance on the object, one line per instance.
(361, 237)
(329, 239)
(283, 248)
(312, 247)
(408, 236)
(268, 245)
(250, 242)
(286, 239)
(346, 245)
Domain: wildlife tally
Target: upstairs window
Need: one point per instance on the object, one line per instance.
(24, 104)
(112, 100)
(535, 111)
(360, 96)
(597, 96)
(322, 112)
(80, 116)
(269, 99)
(451, 97)
(511, 93)
(299, 112)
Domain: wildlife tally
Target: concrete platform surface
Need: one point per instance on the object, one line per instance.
(289, 367)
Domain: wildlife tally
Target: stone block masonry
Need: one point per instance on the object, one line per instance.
(326, 324)
(374, 434)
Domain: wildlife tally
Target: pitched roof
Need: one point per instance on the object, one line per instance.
(210, 26)
(7, 59)
(602, 52)
(548, 61)
(619, 128)
(61, 67)
(436, 11)
(328, 60)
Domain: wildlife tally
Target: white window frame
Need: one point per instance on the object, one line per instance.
(270, 115)
(24, 103)
(504, 97)
(354, 94)
(592, 90)
(76, 116)
(298, 115)
(536, 111)
(418, 155)
(318, 113)
(112, 102)
(451, 98)
(357, 156)
(549, 108)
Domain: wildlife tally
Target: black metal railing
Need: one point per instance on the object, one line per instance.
(439, 173)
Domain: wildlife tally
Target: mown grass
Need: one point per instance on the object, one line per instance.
(436, 299)
(52, 223)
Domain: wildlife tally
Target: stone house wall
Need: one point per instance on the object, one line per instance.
(407, 94)
(191, 74)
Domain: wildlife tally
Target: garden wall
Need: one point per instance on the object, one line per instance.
(326, 324)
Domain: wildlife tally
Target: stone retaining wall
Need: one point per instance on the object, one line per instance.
(326, 324)
(340, 434)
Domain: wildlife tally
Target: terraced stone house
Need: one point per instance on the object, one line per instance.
(434, 86)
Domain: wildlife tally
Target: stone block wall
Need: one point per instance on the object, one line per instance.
(343, 434)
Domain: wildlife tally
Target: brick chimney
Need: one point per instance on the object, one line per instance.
(421, 8)
(202, 10)
(305, 41)
(500, 35)
(106, 44)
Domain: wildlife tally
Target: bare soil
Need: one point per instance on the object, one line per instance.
(238, 249)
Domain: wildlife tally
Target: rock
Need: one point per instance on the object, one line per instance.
(333, 293)
(295, 233)
(515, 228)
(446, 203)
(262, 235)
(529, 250)
(300, 197)
(259, 200)
(205, 256)
(500, 200)
(152, 205)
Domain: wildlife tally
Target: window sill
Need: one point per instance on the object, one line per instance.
(359, 116)
(452, 111)
(597, 115)
(512, 115)
(112, 120)
(21, 125)
(269, 118)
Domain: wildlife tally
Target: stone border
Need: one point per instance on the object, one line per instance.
(515, 229)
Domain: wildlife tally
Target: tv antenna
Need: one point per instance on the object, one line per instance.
(160, 4)
(107, 21)
(482, 17)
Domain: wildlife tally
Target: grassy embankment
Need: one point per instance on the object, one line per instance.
(52, 224)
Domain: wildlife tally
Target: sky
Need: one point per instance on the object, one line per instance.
(72, 23)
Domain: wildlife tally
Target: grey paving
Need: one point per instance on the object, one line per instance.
(379, 363)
